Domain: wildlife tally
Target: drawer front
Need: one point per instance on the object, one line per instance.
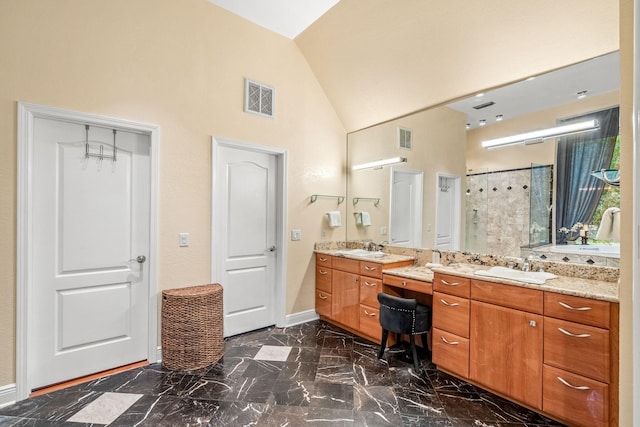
(413, 285)
(575, 399)
(323, 260)
(323, 279)
(577, 309)
(371, 269)
(369, 290)
(370, 322)
(453, 285)
(515, 297)
(450, 352)
(323, 304)
(345, 264)
(578, 348)
(451, 314)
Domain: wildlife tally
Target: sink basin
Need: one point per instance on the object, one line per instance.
(361, 252)
(534, 277)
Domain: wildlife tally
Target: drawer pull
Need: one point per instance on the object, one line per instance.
(371, 285)
(369, 314)
(567, 306)
(366, 267)
(404, 283)
(564, 331)
(448, 304)
(323, 272)
(575, 387)
(323, 259)
(444, 282)
(322, 296)
(444, 340)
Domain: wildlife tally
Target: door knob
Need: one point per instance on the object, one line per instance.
(140, 259)
(272, 248)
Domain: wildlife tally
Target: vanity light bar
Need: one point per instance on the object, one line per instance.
(380, 163)
(538, 135)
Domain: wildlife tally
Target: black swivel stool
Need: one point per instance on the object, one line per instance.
(404, 316)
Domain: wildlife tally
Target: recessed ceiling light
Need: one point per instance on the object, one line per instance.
(482, 122)
(468, 126)
(499, 118)
(582, 94)
(480, 95)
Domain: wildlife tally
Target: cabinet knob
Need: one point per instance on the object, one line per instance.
(532, 323)
(404, 283)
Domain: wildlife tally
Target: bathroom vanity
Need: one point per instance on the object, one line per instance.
(552, 348)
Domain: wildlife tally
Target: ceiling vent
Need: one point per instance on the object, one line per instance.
(404, 138)
(485, 105)
(258, 98)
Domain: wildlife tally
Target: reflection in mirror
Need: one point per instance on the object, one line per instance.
(517, 217)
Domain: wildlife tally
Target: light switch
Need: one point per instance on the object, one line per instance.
(296, 235)
(383, 231)
(184, 239)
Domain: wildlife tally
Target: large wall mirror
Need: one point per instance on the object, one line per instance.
(442, 189)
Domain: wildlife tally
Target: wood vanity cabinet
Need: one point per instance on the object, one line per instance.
(347, 293)
(450, 347)
(580, 359)
(506, 340)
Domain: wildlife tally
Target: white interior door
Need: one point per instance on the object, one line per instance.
(405, 217)
(447, 212)
(89, 301)
(247, 187)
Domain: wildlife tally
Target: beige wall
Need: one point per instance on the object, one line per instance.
(179, 65)
(521, 156)
(439, 143)
(395, 58)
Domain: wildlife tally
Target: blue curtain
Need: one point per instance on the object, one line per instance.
(578, 193)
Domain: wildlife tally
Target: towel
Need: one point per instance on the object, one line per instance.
(366, 219)
(609, 228)
(334, 219)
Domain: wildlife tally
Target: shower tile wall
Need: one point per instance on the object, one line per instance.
(497, 212)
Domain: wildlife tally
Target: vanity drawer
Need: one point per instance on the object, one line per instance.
(369, 290)
(579, 400)
(453, 285)
(371, 269)
(404, 283)
(577, 309)
(323, 260)
(450, 352)
(515, 297)
(577, 348)
(323, 304)
(370, 322)
(323, 279)
(451, 313)
(345, 264)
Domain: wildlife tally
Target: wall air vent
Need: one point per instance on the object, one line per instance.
(258, 98)
(485, 105)
(404, 138)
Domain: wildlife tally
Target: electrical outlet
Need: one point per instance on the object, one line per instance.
(296, 235)
(184, 239)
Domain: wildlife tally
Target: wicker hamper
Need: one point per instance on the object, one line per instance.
(192, 327)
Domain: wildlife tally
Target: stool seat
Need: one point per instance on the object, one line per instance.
(403, 316)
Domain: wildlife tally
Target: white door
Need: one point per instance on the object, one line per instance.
(405, 217)
(89, 302)
(247, 185)
(447, 212)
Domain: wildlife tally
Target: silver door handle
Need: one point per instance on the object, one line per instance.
(272, 248)
(139, 259)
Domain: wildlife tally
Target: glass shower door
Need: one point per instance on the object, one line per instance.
(541, 204)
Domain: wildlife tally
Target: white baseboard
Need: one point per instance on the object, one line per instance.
(158, 355)
(7, 395)
(301, 317)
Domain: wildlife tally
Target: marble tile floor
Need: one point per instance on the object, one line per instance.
(311, 374)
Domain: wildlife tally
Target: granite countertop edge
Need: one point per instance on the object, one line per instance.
(386, 259)
(586, 288)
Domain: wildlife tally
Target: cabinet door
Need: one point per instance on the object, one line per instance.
(345, 295)
(506, 351)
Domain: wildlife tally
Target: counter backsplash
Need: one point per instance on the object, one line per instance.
(423, 256)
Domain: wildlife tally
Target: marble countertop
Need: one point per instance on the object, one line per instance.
(385, 259)
(594, 289)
